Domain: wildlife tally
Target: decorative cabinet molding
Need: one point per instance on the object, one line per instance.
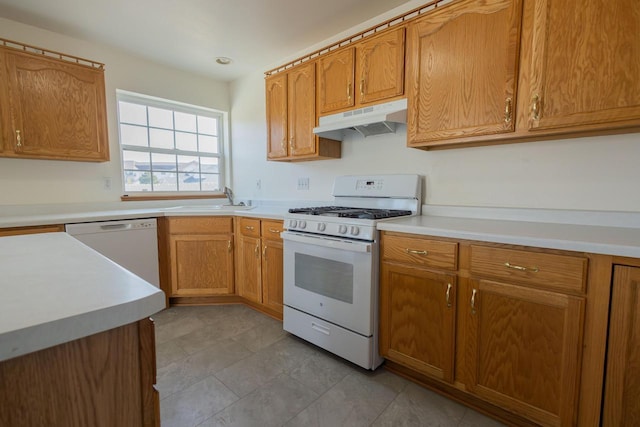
(52, 108)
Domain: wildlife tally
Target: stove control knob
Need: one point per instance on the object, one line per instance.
(302, 224)
(322, 226)
(293, 223)
(342, 229)
(355, 230)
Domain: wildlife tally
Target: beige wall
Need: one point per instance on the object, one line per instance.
(46, 181)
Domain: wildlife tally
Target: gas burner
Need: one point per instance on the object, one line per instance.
(318, 210)
(349, 212)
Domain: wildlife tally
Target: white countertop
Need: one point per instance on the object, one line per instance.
(55, 290)
(582, 238)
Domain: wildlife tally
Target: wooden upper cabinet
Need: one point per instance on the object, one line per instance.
(585, 63)
(462, 62)
(302, 110)
(621, 403)
(380, 67)
(277, 125)
(370, 71)
(335, 80)
(54, 109)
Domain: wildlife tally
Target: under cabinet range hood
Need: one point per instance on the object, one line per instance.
(374, 120)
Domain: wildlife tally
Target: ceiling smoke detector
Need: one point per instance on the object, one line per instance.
(223, 60)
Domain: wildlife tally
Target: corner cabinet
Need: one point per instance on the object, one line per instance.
(51, 108)
(462, 63)
(200, 256)
(291, 117)
(371, 71)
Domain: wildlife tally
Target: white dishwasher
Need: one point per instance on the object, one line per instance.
(133, 244)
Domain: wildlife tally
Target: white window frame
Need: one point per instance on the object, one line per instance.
(151, 101)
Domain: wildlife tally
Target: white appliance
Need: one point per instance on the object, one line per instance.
(331, 264)
(133, 244)
(372, 120)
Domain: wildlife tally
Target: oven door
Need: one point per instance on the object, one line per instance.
(332, 279)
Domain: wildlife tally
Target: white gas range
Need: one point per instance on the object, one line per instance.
(331, 263)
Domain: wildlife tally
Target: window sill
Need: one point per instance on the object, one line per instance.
(145, 197)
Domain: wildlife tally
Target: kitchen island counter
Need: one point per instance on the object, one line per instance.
(56, 290)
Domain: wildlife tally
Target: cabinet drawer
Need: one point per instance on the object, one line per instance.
(425, 252)
(271, 229)
(560, 272)
(201, 225)
(249, 227)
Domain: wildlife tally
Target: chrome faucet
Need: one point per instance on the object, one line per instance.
(227, 192)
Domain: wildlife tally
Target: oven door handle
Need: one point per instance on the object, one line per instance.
(328, 242)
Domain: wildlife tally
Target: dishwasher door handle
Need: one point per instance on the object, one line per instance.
(115, 227)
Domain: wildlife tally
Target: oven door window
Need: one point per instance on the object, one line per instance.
(326, 277)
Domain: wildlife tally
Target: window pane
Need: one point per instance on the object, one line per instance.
(159, 138)
(137, 181)
(189, 182)
(165, 181)
(132, 113)
(185, 121)
(207, 125)
(186, 141)
(135, 160)
(188, 164)
(210, 182)
(208, 144)
(163, 162)
(209, 164)
(160, 118)
(134, 135)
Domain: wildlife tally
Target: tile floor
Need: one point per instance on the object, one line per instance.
(232, 366)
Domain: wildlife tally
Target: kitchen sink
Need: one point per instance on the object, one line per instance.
(207, 208)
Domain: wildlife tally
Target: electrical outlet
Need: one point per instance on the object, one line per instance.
(106, 183)
(303, 183)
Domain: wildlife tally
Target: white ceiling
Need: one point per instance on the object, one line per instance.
(190, 34)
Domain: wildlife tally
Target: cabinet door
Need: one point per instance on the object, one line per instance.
(585, 64)
(621, 402)
(462, 62)
(249, 268)
(417, 319)
(381, 67)
(276, 116)
(272, 274)
(302, 111)
(201, 264)
(58, 109)
(524, 350)
(335, 81)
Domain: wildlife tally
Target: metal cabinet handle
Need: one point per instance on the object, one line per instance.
(257, 250)
(349, 91)
(264, 252)
(283, 145)
(249, 227)
(273, 230)
(362, 87)
(292, 145)
(508, 110)
(229, 246)
(18, 139)
(521, 268)
(416, 252)
(535, 107)
(448, 295)
(473, 301)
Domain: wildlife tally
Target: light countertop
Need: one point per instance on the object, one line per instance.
(55, 290)
(582, 238)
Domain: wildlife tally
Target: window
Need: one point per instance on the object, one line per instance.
(169, 146)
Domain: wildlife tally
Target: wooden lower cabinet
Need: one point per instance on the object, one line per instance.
(418, 319)
(524, 346)
(15, 231)
(507, 336)
(259, 274)
(102, 380)
(201, 256)
(622, 390)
